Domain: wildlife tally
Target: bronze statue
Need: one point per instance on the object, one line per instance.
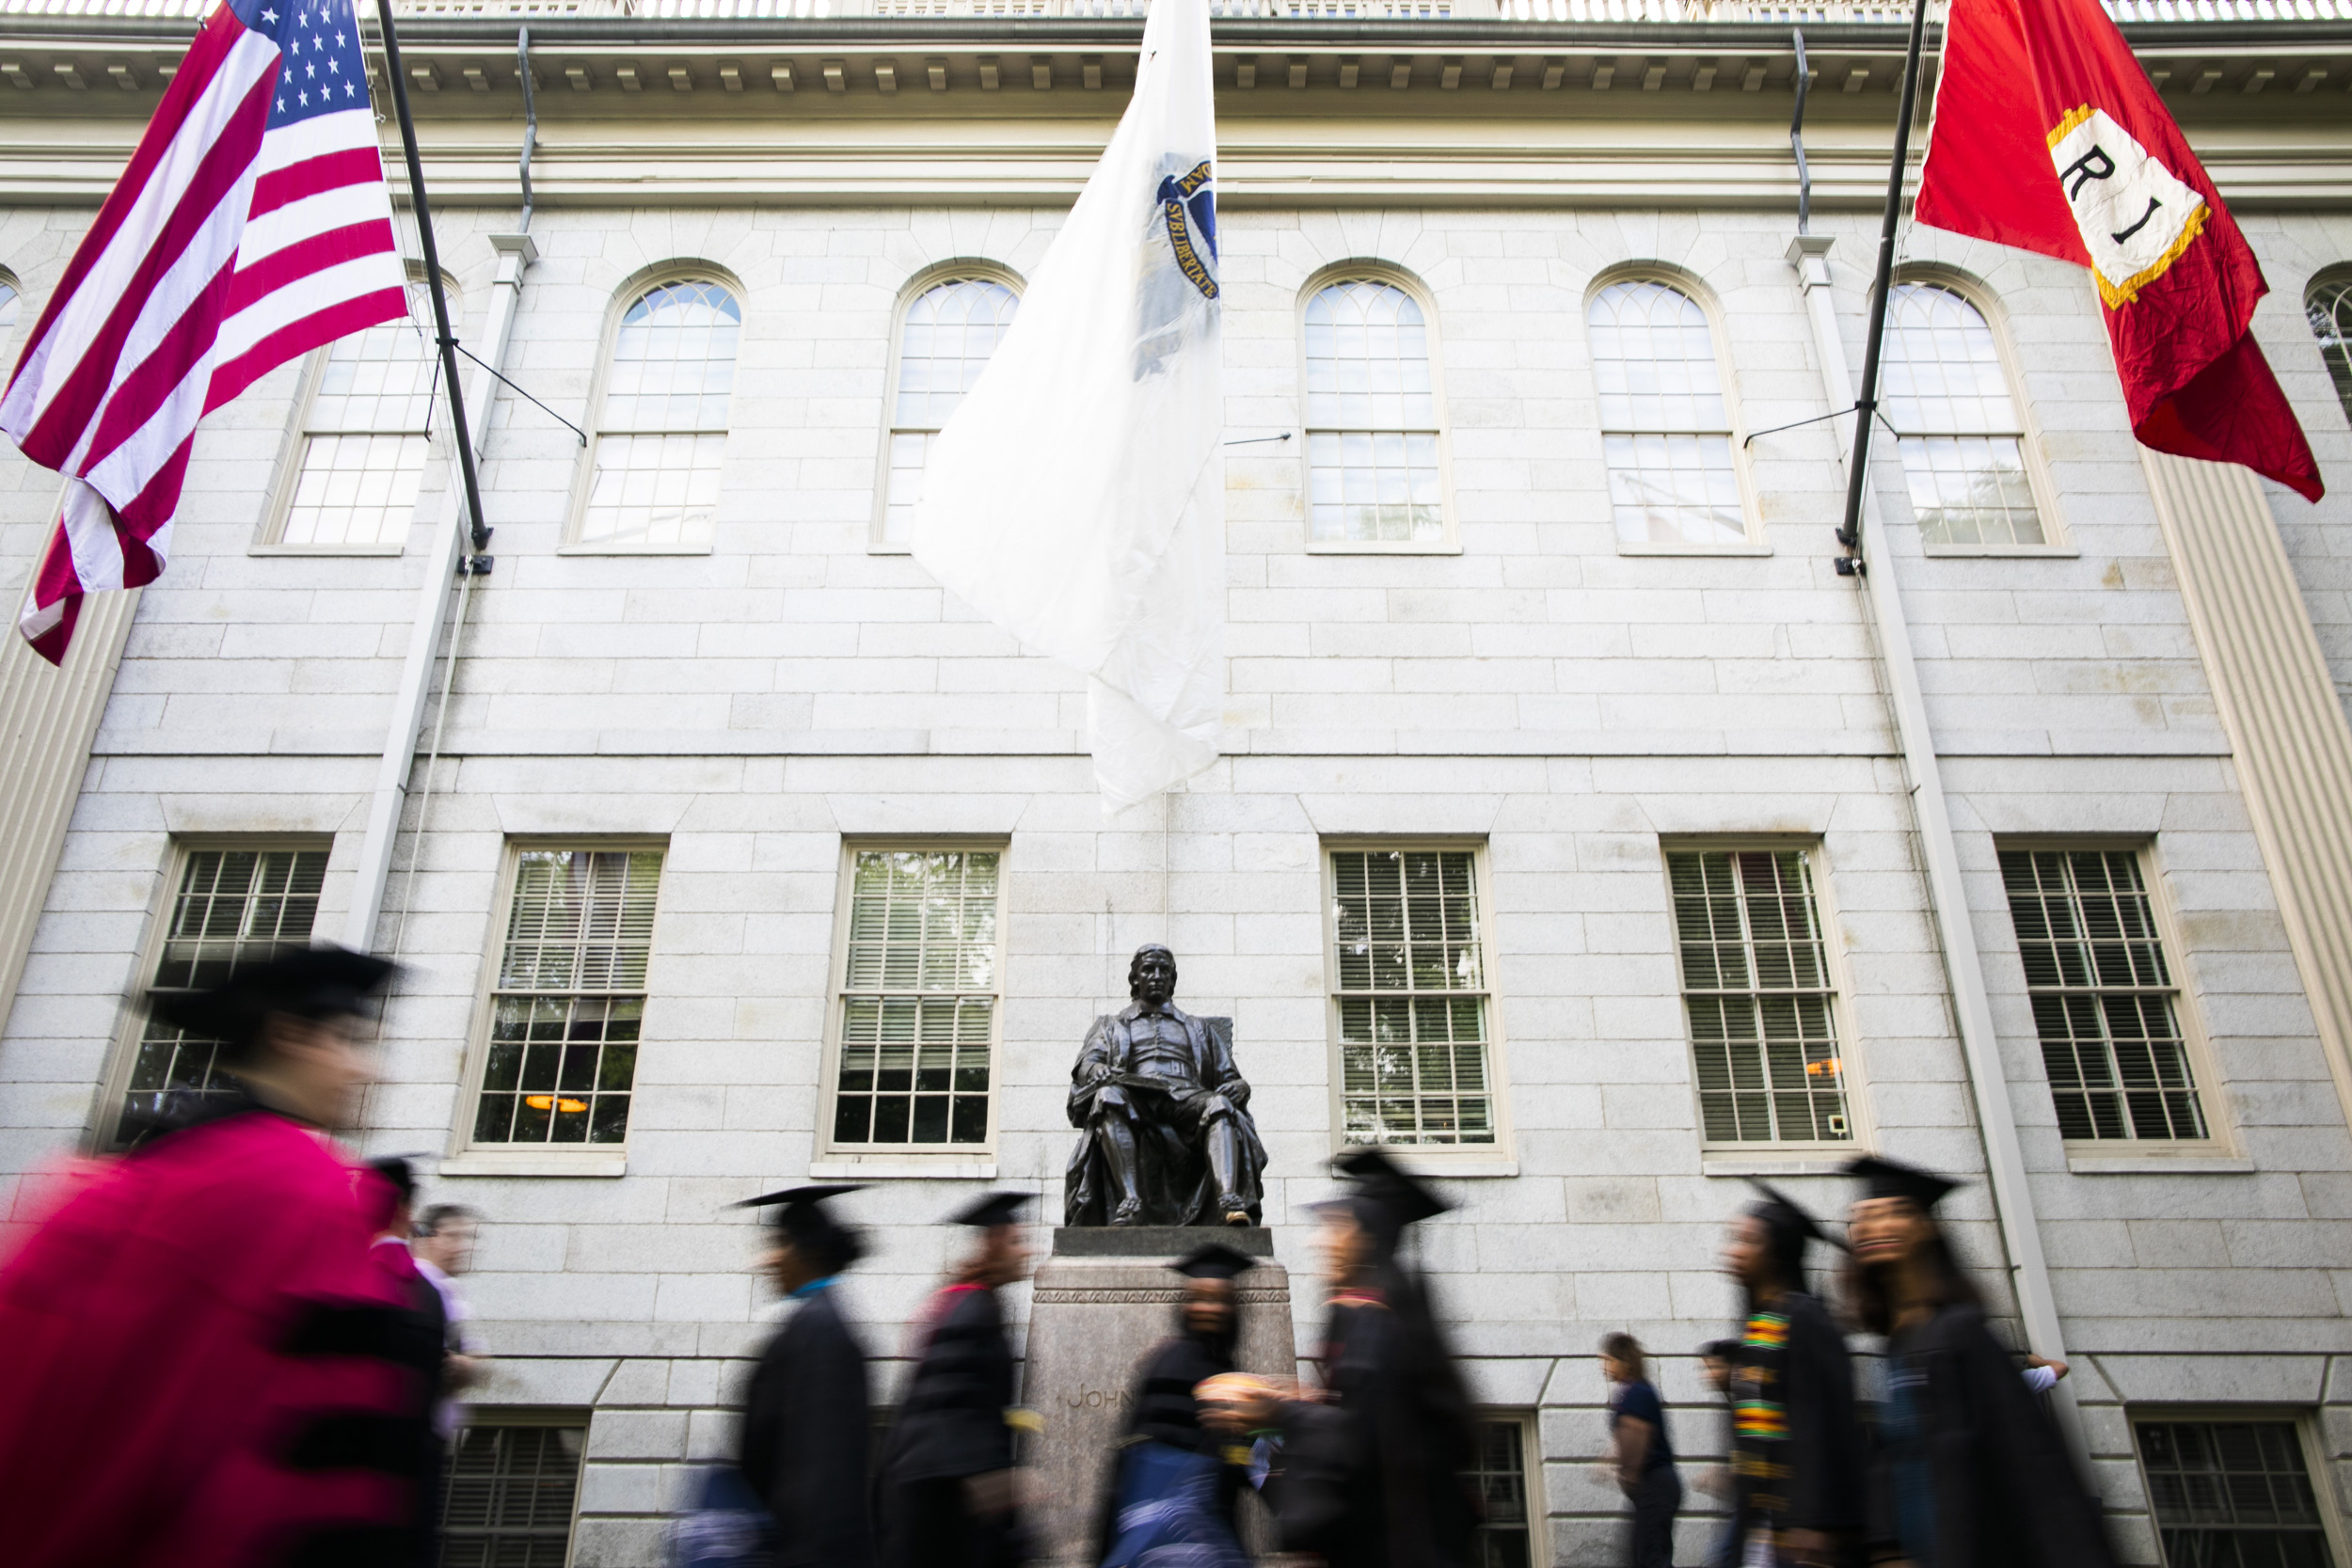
(1168, 1138)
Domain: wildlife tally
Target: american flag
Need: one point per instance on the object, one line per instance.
(252, 227)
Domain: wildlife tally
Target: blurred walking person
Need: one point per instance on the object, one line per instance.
(429, 1320)
(809, 1412)
(1643, 1456)
(1796, 1448)
(1715, 1360)
(446, 1236)
(1970, 1471)
(201, 1356)
(949, 1496)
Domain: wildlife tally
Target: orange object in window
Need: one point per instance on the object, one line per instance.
(1827, 1065)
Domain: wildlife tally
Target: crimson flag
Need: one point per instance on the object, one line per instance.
(2048, 136)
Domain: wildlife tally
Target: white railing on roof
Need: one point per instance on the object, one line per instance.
(1803, 12)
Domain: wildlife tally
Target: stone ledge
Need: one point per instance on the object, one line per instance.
(1158, 1241)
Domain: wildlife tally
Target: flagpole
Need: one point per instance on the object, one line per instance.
(477, 562)
(1867, 405)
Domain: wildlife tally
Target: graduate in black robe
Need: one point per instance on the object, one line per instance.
(1373, 1475)
(1969, 1469)
(1173, 1480)
(1796, 1445)
(808, 1412)
(947, 1495)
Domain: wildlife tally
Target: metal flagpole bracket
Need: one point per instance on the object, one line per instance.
(477, 562)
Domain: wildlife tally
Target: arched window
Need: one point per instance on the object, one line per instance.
(1962, 444)
(664, 428)
(12, 301)
(2329, 308)
(363, 442)
(1665, 428)
(1373, 476)
(944, 342)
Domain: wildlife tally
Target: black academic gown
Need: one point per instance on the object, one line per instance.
(2005, 1491)
(806, 1425)
(1797, 1454)
(1163, 1410)
(1375, 1479)
(950, 1427)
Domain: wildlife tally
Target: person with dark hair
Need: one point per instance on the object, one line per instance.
(948, 1495)
(1174, 1479)
(1372, 1471)
(1796, 1448)
(1643, 1460)
(199, 1353)
(1970, 1471)
(446, 1235)
(430, 1320)
(1715, 1361)
(809, 1413)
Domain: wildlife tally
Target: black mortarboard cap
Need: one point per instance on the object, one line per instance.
(992, 1210)
(1381, 1180)
(308, 982)
(396, 1169)
(1778, 1210)
(1892, 1179)
(1214, 1261)
(800, 1211)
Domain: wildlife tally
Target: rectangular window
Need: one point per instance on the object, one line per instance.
(363, 446)
(2233, 1493)
(1410, 964)
(512, 1490)
(568, 1001)
(2103, 998)
(1758, 997)
(230, 908)
(1501, 1473)
(918, 999)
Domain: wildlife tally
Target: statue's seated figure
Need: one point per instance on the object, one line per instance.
(1168, 1138)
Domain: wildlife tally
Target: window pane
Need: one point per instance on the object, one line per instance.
(950, 332)
(654, 490)
(1756, 994)
(1970, 490)
(674, 360)
(381, 379)
(510, 1496)
(1500, 1474)
(2103, 994)
(1944, 371)
(570, 1006)
(1368, 359)
(1412, 997)
(2330, 311)
(918, 998)
(909, 450)
(1654, 362)
(1666, 489)
(233, 907)
(2232, 1495)
(1372, 485)
(355, 490)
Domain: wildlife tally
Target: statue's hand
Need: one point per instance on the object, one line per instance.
(1097, 1074)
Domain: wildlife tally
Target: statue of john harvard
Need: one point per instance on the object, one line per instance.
(1165, 1114)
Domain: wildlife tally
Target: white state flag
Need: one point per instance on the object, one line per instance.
(1076, 496)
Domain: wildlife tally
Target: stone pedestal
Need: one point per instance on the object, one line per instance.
(1102, 1300)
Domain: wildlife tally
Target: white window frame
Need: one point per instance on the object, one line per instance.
(1793, 1155)
(2056, 540)
(1498, 1158)
(469, 1158)
(915, 288)
(1449, 513)
(1529, 1423)
(1694, 289)
(2309, 1434)
(867, 1161)
(2335, 280)
(581, 1416)
(2096, 1156)
(105, 1119)
(584, 476)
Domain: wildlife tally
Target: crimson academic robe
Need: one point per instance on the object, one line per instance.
(203, 1367)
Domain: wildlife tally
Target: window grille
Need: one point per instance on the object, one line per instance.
(2103, 998)
(1499, 1473)
(12, 303)
(510, 1496)
(918, 998)
(232, 908)
(1962, 444)
(569, 1003)
(1412, 997)
(2233, 1493)
(364, 443)
(1372, 418)
(1665, 428)
(664, 430)
(2329, 310)
(949, 332)
(1757, 994)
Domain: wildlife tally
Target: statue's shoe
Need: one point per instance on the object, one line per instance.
(1236, 1211)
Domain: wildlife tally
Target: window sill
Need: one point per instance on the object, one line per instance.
(1795, 1162)
(327, 549)
(1377, 546)
(483, 1162)
(882, 1167)
(634, 549)
(1629, 548)
(877, 547)
(2155, 1163)
(1999, 552)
